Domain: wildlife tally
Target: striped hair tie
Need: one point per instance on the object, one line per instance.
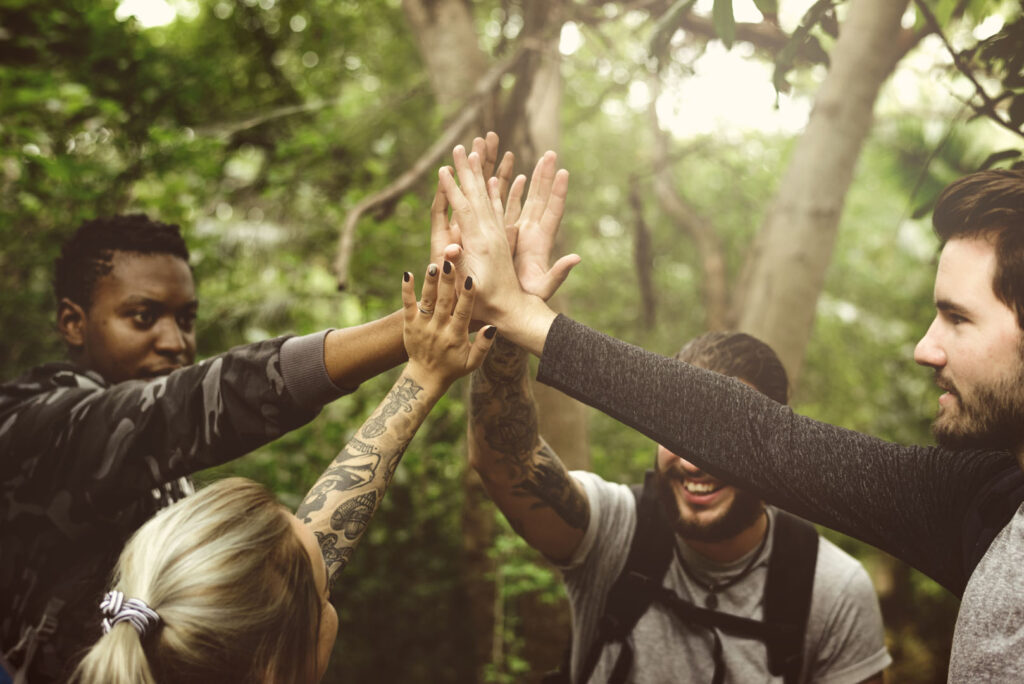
(116, 608)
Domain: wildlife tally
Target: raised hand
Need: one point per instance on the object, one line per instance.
(536, 226)
(436, 329)
(444, 232)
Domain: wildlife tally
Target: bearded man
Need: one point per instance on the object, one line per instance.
(721, 543)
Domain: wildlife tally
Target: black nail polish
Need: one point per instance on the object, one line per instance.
(406, 276)
(469, 282)
(447, 267)
(490, 332)
(432, 270)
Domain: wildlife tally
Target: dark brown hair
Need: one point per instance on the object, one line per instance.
(989, 204)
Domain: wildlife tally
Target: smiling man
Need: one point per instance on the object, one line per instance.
(954, 511)
(715, 544)
(90, 448)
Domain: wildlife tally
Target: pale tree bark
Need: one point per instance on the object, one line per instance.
(447, 41)
(785, 274)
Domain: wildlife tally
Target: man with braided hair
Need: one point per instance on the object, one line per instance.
(91, 447)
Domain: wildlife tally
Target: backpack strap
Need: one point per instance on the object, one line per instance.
(997, 504)
(787, 594)
(649, 557)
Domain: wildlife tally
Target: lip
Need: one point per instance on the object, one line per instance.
(158, 372)
(703, 500)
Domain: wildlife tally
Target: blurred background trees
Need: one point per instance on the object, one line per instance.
(761, 164)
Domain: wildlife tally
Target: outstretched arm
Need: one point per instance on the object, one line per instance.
(521, 472)
(523, 475)
(341, 503)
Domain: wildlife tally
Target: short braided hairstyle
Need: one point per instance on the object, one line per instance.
(87, 255)
(741, 356)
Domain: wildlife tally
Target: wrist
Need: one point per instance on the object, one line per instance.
(434, 384)
(526, 321)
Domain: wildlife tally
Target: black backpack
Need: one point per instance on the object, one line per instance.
(787, 600)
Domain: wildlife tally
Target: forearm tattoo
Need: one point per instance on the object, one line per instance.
(352, 487)
(334, 555)
(354, 467)
(550, 483)
(399, 399)
(352, 517)
(505, 416)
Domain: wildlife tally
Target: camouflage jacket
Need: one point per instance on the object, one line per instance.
(83, 464)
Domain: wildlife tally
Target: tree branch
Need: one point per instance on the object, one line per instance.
(709, 247)
(988, 106)
(468, 114)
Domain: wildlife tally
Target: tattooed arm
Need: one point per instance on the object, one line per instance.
(523, 475)
(339, 506)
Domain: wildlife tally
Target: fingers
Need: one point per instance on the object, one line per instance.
(464, 307)
(461, 209)
(514, 204)
(555, 207)
(428, 297)
(540, 186)
(473, 185)
(494, 194)
(445, 294)
(482, 344)
(408, 296)
(557, 274)
(504, 172)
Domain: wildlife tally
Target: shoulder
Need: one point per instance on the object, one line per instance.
(41, 380)
(612, 520)
(837, 571)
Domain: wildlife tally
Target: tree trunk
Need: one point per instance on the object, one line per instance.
(447, 39)
(786, 270)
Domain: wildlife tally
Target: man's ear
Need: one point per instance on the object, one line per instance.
(71, 323)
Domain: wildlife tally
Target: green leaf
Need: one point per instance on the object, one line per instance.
(767, 7)
(665, 28)
(787, 55)
(724, 21)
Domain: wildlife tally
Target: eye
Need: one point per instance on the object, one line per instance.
(143, 318)
(186, 322)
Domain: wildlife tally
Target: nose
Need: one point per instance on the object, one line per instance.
(929, 351)
(170, 339)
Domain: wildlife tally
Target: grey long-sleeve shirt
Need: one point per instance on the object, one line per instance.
(910, 501)
(921, 504)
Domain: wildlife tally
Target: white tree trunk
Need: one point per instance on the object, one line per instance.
(782, 280)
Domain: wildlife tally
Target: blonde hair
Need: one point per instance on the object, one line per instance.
(234, 589)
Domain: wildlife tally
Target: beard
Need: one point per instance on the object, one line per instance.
(990, 418)
(743, 511)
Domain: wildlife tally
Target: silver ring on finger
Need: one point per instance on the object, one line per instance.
(428, 312)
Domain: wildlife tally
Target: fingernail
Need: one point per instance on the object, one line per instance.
(447, 267)
(406, 276)
(490, 332)
(432, 270)
(469, 282)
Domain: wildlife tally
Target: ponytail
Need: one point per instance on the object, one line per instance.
(234, 590)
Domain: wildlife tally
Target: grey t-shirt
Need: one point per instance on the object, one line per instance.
(845, 639)
(990, 626)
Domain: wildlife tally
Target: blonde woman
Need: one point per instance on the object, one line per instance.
(228, 586)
